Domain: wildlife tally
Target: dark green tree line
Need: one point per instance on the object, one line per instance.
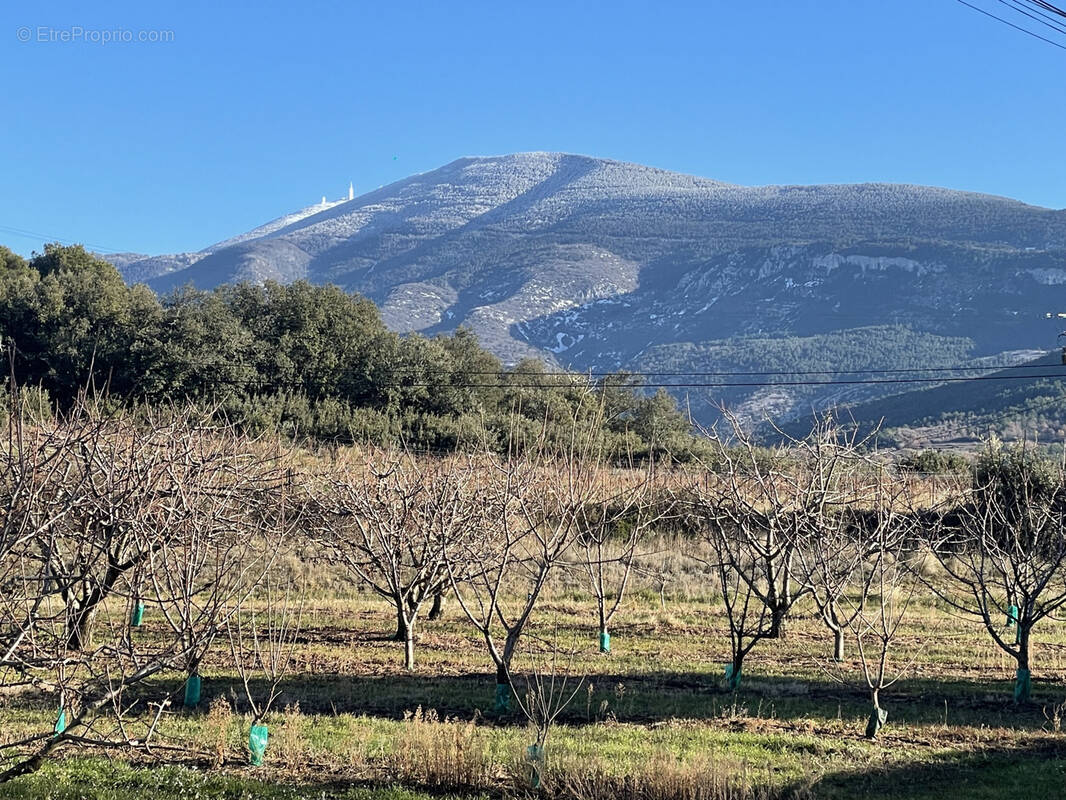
(311, 360)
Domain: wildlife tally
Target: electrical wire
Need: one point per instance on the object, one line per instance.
(726, 384)
(49, 238)
(1048, 7)
(622, 374)
(1016, 27)
(1036, 16)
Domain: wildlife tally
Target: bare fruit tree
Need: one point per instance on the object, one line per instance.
(611, 528)
(875, 584)
(885, 590)
(832, 476)
(38, 496)
(750, 510)
(1003, 549)
(529, 522)
(74, 579)
(390, 526)
(263, 633)
(552, 681)
(830, 558)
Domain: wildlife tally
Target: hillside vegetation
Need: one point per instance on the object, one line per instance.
(963, 414)
(307, 360)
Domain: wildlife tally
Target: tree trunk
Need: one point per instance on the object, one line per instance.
(436, 611)
(502, 703)
(778, 614)
(80, 635)
(503, 677)
(1022, 677)
(81, 629)
(405, 632)
(409, 650)
(878, 716)
(401, 624)
(734, 672)
(504, 689)
(832, 621)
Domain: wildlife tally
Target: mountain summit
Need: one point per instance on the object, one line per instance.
(598, 264)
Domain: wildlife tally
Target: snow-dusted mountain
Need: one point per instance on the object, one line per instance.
(600, 264)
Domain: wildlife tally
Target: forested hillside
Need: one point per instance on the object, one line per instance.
(962, 414)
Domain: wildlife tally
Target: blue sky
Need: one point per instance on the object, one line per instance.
(253, 110)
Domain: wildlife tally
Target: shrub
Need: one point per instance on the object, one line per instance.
(935, 462)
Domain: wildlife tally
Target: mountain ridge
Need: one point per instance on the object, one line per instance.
(601, 264)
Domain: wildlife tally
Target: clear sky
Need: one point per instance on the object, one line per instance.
(256, 109)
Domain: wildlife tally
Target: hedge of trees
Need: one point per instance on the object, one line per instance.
(308, 360)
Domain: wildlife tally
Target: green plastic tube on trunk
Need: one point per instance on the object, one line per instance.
(1012, 616)
(137, 617)
(878, 718)
(535, 754)
(605, 642)
(257, 744)
(732, 677)
(1023, 686)
(503, 698)
(61, 722)
(192, 691)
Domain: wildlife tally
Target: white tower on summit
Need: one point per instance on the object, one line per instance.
(351, 191)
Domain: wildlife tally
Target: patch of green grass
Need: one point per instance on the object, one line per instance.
(99, 779)
(975, 776)
(953, 729)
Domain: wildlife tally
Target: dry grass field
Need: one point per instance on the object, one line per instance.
(168, 590)
(652, 715)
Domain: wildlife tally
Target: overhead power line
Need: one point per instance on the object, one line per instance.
(733, 373)
(1038, 5)
(1035, 14)
(46, 237)
(557, 384)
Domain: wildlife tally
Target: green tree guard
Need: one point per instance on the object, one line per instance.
(1023, 686)
(192, 691)
(605, 642)
(61, 722)
(535, 754)
(503, 698)
(257, 744)
(732, 677)
(878, 718)
(137, 616)
(1012, 616)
